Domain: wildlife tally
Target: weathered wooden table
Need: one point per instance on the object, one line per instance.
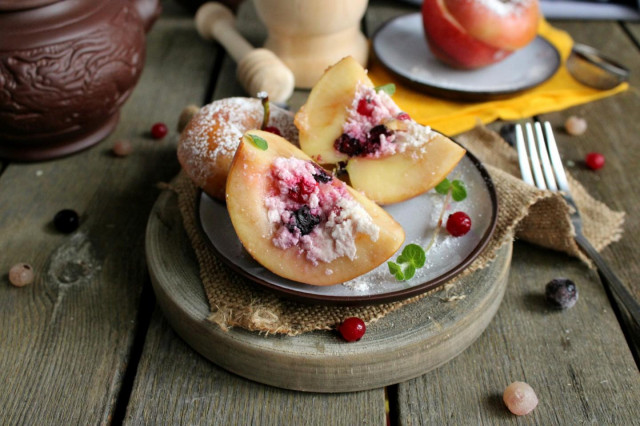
(86, 343)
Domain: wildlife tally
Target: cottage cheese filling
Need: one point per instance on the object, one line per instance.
(376, 127)
(314, 212)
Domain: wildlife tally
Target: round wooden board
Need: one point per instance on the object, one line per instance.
(404, 344)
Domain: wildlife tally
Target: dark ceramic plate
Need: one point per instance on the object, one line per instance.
(401, 47)
(418, 216)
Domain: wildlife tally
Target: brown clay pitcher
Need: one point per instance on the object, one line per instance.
(66, 68)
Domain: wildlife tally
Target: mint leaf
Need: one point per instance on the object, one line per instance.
(458, 190)
(443, 187)
(389, 89)
(396, 271)
(258, 142)
(414, 255)
(409, 272)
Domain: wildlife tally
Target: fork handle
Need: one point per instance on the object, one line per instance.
(611, 280)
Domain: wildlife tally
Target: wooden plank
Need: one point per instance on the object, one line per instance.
(585, 370)
(575, 360)
(634, 30)
(66, 339)
(178, 386)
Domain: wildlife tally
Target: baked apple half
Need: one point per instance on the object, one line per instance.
(300, 222)
(346, 121)
(470, 34)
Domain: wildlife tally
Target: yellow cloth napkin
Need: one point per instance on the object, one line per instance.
(450, 117)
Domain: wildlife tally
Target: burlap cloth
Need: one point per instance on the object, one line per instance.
(539, 217)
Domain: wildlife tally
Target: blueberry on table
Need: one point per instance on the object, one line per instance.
(66, 221)
(561, 293)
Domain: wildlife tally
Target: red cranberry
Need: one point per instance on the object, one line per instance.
(273, 129)
(458, 224)
(403, 116)
(159, 130)
(352, 329)
(594, 160)
(365, 107)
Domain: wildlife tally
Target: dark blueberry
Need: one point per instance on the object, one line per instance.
(321, 176)
(373, 138)
(304, 220)
(508, 133)
(348, 145)
(66, 221)
(376, 132)
(561, 293)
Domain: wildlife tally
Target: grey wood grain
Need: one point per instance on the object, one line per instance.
(576, 360)
(634, 30)
(178, 386)
(66, 340)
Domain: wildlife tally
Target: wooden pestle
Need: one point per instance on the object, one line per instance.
(258, 69)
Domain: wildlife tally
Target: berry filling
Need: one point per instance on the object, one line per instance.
(376, 127)
(314, 212)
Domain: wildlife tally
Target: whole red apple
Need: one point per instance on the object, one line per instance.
(471, 34)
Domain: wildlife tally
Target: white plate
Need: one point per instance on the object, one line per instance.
(418, 216)
(401, 47)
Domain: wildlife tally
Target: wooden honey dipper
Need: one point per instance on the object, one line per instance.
(259, 70)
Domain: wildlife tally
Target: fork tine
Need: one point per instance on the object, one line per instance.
(555, 158)
(544, 158)
(523, 158)
(535, 160)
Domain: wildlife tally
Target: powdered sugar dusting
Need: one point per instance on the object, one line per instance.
(216, 130)
(505, 8)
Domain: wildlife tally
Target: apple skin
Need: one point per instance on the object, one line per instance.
(467, 34)
(247, 186)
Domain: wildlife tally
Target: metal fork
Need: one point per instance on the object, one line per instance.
(548, 173)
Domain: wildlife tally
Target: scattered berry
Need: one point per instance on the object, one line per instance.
(304, 220)
(508, 133)
(403, 116)
(321, 176)
(458, 224)
(575, 126)
(352, 329)
(348, 145)
(159, 130)
(66, 221)
(21, 274)
(561, 293)
(122, 148)
(365, 107)
(273, 129)
(520, 398)
(594, 160)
